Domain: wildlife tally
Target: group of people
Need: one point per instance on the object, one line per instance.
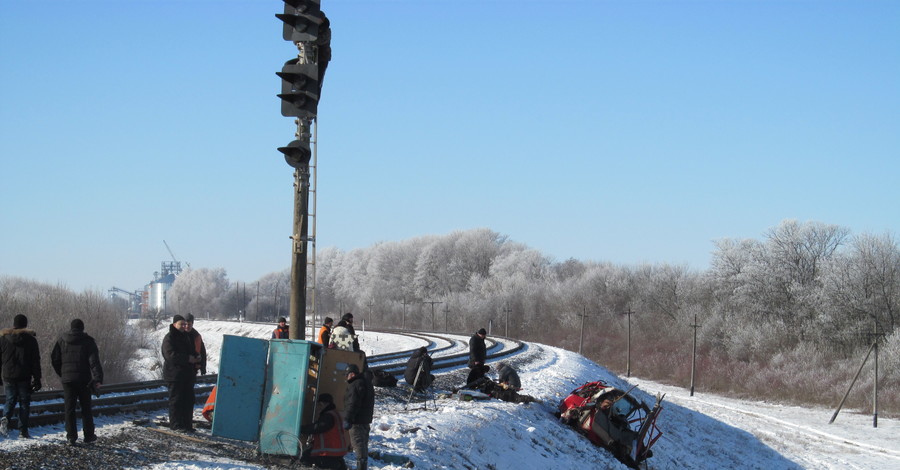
(184, 356)
(75, 359)
(340, 336)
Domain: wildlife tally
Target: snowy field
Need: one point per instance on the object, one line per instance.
(700, 432)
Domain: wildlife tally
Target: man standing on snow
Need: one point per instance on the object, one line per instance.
(359, 407)
(325, 332)
(21, 372)
(477, 356)
(179, 372)
(76, 360)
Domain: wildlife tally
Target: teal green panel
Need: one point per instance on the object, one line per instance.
(283, 405)
(240, 387)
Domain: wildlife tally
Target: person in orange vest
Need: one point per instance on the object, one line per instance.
(282, 332)
(329, 443)
(197, 340)
(210, 407)
(325, 332)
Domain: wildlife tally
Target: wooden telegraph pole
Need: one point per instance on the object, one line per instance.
(873, 347)
(506, 310)
(694, 353)
(403, 319)
(629, 313)
(583, 315)
(446, 315)
(432, 302)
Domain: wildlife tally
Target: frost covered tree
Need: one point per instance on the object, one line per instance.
(200, 291)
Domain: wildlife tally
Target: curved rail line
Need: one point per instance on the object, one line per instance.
(47, 406)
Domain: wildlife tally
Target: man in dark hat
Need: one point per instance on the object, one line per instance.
(359, 407)
(347, 322)
(477, 356)
(325, 332)
(76, 360)
(179, 373)
(281, 331)
(329, 440)
(21, 372)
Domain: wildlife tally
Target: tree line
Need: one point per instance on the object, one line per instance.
(787, 316)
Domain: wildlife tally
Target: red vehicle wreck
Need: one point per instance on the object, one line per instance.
(614, 420)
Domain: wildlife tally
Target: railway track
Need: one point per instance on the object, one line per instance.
(133, 397)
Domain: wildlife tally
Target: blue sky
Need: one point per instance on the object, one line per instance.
(623, 131)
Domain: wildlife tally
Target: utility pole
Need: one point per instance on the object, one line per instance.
(403, 319)
(432, 302)
(371, 313)
(583, 315)
(506, 310)
(694, 353)
(874, 347)
(875, 385)
(629, 313)
(446, 314)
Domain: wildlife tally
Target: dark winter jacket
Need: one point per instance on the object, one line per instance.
(200, 349)
(281, 333)
(177, 348)
(20, 355)
(477, 350)
(324, 423)
(412, 368)
(508, 375)
(76, 359)
(359, 402)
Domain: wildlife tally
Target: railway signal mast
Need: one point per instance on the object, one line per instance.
(301, 84)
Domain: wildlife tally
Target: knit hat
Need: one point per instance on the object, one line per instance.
(352, 369)
(20, 321)
(189, 318)
(77, 325)
(177, 318)
(482, 331)
(281, 320)
(347, 316)
(328, 320)
(326, 398)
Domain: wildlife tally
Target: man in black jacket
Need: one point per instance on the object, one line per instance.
(477, 356)
(21, 372)
(329, 444)
(179, 373)
(76, 360)
(359, 408)
(416, 378)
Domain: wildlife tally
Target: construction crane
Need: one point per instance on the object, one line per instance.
(175, 266)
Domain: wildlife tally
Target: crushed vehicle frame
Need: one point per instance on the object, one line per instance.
(613, 419)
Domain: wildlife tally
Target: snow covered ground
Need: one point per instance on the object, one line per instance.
(700, 432)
